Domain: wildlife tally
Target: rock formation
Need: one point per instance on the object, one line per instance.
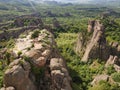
(8, 88)
(18, 76)
(28, 21)
(97, 45)
(38, 65)
(15, 34)
(98, 78)
(56, 23)
(98, 48)
(113, 61)
(79, 47)
(60, 76)
(91, 25)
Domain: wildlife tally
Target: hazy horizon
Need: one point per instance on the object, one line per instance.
(82, 1)
(69, 1)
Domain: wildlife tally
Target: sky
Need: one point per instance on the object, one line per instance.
(83, 1)
(69, 0)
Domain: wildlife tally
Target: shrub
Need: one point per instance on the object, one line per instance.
(116, 77)
(1, 75)
(110, 70)
(19, 53)
(26, 58)
(28, 49)
(76, 87)
(7, 57)
(32, 46)
(38, 72)
(35, 34)
(101, 86)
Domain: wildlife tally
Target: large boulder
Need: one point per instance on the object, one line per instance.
(60, 77)
(18, 76)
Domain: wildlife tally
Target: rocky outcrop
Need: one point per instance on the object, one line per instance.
(105, 78)
(38, 49)
(118, 48)
(116, 67)
(115, 50)
(93, 44)
(91, 24)
(97, 46)
(98, 78)
(60, 76)
(39, 65)
(19, 25)
(8, 88)
(56, 23)
(111, 61)
(15, 34)
(28, 21)
(18, 76)
(79, 47)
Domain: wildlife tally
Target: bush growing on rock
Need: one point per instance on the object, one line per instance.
(1, 75)
(35, 34)
(110, 70)
(116, 77)
(101, 86)
(19, 53)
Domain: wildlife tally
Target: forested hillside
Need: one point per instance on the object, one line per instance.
(59, 46)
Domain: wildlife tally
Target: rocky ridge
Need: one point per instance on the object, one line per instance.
(38, 65)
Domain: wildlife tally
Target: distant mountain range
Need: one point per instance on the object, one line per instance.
(106, 2)
(17, 3)
(100, 2)
(14, 1)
